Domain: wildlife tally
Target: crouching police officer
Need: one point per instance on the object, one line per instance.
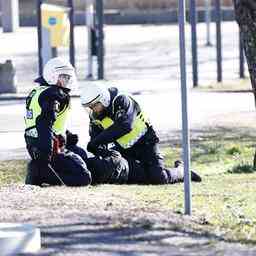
(118, 118)
(47, 111)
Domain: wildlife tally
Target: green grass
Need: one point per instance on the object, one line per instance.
(12, 171)
(223, 204)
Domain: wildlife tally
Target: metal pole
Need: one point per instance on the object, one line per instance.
(100, 38)
(184, 102)
(208, 22)
(10, 15)
(71, 35)
(193, 21)
(241, 55)
(39, 37)
(90, 24)
(218, 40)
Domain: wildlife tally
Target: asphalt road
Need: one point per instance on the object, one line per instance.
(206, 110)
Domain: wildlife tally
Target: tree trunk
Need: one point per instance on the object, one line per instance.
(245, 13)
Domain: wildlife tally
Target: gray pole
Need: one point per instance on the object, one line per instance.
(218, 40)
(90, 24)
(71, 35)
(10, 15)
(208, 22)
(193, 21)
(39, 37)
(100, 37)
(241, 55)
(184, 102)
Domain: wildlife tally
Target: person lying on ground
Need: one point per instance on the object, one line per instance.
(66, 167)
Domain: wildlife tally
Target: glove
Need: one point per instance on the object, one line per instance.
(92, 147)
(71, 139)
(56, 146)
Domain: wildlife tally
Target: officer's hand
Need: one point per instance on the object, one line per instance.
(71, 139)
(92, 147)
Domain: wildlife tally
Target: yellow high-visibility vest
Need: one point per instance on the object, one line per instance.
(140, 127)
(34, 110)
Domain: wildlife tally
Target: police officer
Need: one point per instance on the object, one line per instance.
(117, 118)
(47, 112)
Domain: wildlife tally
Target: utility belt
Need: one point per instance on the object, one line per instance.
(31, 132)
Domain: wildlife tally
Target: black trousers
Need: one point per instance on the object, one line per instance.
(146, 165)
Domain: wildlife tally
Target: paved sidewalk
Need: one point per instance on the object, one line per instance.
(133, 53)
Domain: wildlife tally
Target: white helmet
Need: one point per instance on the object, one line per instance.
(56, 67)
(93, 93)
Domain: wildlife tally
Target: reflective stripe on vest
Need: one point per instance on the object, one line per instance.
(33, 108)
(126, 141)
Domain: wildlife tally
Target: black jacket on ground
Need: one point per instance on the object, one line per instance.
(111, 169)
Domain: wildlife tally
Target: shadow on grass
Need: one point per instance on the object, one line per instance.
(100, 237)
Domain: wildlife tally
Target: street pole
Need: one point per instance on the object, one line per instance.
(241, 55)
(218, 40)
(71, 35)
(184, 103)
(39, 37)
(208, 22)
(90, 27)
(100, 38)
(10, 15)
(193, 21)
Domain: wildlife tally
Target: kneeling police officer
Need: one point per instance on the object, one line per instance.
(117, 118)
(47, 111)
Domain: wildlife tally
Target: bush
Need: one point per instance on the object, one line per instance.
(242, 168)
(234, 151)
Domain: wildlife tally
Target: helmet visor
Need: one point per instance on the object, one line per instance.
(67, 78)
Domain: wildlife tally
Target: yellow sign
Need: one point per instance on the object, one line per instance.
(56, 20)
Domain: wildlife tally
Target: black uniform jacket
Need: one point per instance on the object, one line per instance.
(123, 110)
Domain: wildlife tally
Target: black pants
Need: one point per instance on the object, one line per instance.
(146, 165)
(70, 168)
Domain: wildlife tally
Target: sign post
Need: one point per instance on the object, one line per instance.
(184, 103)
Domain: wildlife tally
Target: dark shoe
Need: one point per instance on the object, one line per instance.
(194, 176)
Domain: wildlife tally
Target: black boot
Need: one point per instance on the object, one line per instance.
(33, 174)
(194, 176)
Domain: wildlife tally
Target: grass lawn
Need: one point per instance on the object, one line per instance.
(223, 204)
